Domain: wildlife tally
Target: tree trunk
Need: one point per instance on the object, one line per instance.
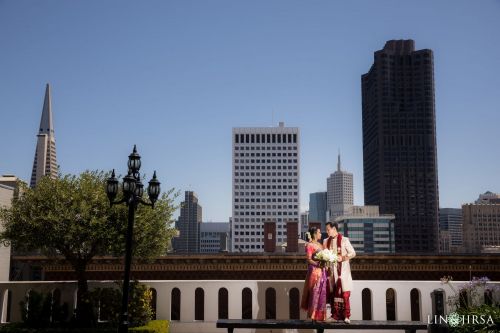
(83, 313)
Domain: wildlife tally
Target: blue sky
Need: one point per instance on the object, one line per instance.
(175, 76)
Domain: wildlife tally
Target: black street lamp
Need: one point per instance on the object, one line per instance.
(133, 189)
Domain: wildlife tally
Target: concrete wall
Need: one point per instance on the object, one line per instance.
(187, 323)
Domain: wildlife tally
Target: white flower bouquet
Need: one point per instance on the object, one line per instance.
(326, 257)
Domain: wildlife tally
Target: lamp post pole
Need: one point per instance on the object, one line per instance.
(133, 190)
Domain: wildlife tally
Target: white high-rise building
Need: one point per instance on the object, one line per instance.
(266, 184)
(339, 192)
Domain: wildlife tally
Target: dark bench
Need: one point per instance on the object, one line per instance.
(407, 326)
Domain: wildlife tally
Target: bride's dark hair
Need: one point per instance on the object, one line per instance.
(312, 232)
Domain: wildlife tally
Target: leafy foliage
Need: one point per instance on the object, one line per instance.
(468, 302)
(107, 302)
(154, 326)
(480, 326)
(70, 217)
(41, 310)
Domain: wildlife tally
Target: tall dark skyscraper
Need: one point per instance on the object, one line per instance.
(188, 225)
(399, 143)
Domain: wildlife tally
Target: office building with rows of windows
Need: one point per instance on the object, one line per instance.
(481, 225)
(339, 192)
(266, 184)
(214, 237)
(368, 231)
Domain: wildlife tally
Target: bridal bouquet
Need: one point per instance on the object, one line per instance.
(326, 257)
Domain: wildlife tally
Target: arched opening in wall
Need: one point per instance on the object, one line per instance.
(28, 305)
(270, 303)
(57, 313)
(2, 305)
(106, 298)
(175, 304)
(464, 301)
(488, 297)
(415, 304)
(223, 303)
(246, 303)
(199, 304)
(294, 303)
(390, 304)
(366, 304)
(154, 300)
(6, 306)
(75, 301)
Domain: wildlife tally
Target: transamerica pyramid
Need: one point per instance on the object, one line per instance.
(45, 162)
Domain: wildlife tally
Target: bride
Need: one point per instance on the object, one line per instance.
(314, 293)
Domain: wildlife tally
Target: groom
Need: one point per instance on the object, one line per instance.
(339, 275)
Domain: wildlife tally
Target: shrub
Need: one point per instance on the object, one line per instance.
(469, 302)
(107, 303)
(154, 326)
(39, 310)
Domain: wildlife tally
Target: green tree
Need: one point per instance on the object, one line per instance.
(70, 217)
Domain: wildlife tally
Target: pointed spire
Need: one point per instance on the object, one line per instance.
(45, 161)
(46, 125)
(338, 162)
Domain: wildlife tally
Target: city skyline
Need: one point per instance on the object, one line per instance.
(312, 85)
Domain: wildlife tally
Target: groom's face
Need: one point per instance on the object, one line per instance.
(332, 232)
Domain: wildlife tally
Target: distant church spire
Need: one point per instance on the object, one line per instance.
(45, 162)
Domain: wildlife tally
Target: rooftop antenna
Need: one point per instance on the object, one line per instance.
(338, 162)
(272, 118)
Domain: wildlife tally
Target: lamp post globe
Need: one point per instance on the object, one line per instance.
(154, 189)
(134, 161)
(139, 188)
(129, 184)
(112, 187)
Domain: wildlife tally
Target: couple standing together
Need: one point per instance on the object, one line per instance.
(331, 283)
